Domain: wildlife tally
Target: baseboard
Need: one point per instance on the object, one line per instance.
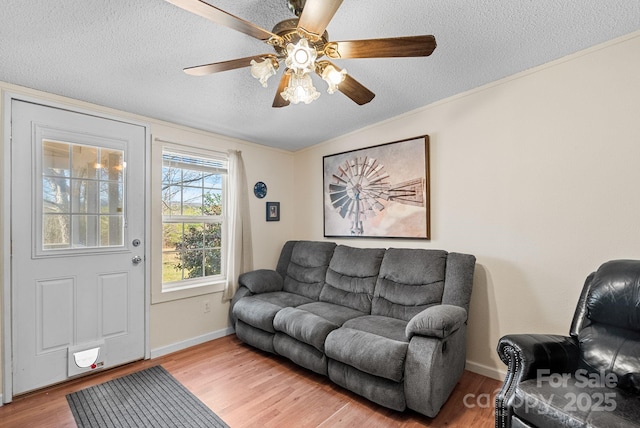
(486, 370)
(164, 350)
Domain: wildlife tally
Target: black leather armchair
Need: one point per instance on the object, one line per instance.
(590, 378)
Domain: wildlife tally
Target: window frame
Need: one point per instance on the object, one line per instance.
(61, 137)
(190, 287)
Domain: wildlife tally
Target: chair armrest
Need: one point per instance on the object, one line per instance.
(525, 355)
(436, 321)
(261, 281)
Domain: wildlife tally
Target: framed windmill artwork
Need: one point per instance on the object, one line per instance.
(378, 192)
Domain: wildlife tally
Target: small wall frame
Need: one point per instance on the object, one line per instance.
(273, 211)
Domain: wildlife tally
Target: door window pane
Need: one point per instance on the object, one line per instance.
(84, 193)
(84, 231)
(83, 186)
(55, 195)
(111, 194)
(56, 230)
(111, 164)
(85, 161)
(55, 159)
(111, 231)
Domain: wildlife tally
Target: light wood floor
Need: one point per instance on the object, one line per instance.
(250, 388)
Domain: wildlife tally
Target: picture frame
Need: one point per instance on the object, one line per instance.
(273, 211)
(380, 191)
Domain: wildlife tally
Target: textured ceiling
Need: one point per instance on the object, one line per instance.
(129, 55)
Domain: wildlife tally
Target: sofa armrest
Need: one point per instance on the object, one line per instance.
(525, 355)
(436, 321)
(240, 293)
(261, 281)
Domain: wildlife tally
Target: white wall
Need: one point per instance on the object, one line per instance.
(179, 323)
(537, 175)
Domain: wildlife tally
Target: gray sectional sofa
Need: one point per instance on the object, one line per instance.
(387, 324)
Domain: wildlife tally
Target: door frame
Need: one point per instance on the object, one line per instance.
(7, 319)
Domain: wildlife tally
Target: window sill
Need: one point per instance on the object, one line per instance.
(161, 296)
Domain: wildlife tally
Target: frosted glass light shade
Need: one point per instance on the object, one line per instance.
(300, 89)
(301, 57)
(262, 70)
(333, 77)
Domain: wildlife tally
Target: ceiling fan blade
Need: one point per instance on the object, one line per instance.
(216, 67)
(316, 16)
(278, 101)
(349, 86)
(409, 46)
(221, 17)
(355, 90)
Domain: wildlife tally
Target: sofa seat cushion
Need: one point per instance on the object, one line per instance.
(576, 402)
(372, 344)
(391, 328)
(337, 314)
(312, 322)
(260, 309)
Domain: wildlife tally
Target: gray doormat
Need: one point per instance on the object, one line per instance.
(148, 398)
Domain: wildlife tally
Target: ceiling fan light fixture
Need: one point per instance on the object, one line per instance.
(299, 42)
(301, 57)
(333, 77)
(263, 70)
(300, 89)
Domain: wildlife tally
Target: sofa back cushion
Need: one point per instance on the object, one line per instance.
(352, 276)
(285, 258)
(307, 267)
(410, 280)
(610, 341)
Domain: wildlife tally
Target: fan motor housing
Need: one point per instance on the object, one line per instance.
(288, 30)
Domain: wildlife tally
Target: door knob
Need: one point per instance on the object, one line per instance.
(136, 260)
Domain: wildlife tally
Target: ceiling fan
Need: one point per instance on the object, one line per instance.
(301, 43)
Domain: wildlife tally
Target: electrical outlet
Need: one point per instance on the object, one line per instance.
(206, 306)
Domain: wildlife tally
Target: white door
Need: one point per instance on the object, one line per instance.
(77, 234)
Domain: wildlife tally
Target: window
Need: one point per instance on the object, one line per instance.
(82, 202)
(193, 210)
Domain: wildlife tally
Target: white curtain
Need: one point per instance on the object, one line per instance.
(240, 255)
